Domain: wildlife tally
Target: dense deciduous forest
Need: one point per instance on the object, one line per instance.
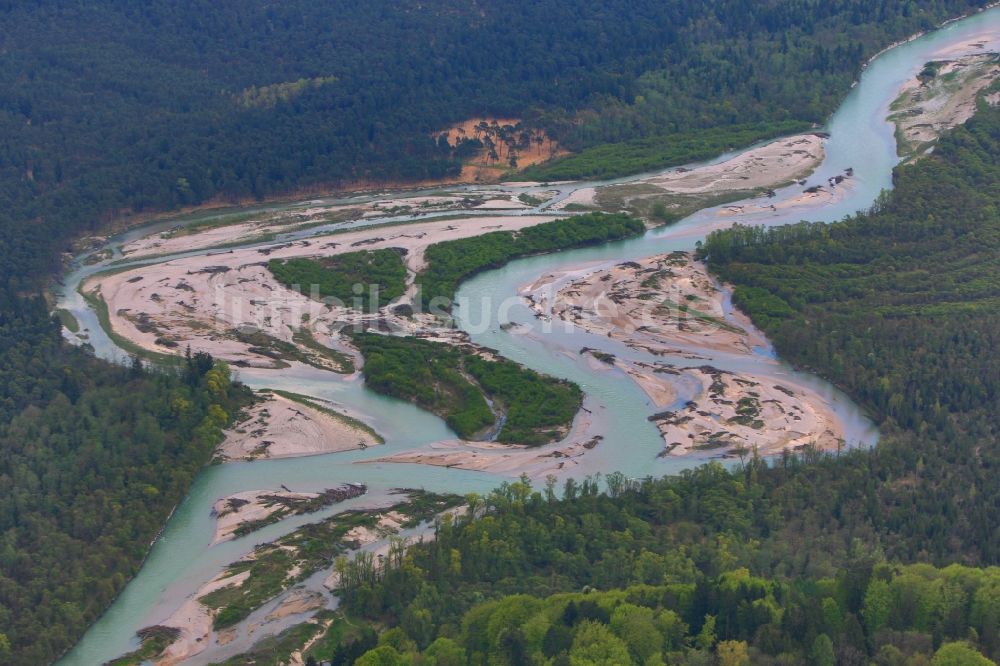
(114, 106)
(609, 580)
(183, 102)
(87, 479)
(806, 559)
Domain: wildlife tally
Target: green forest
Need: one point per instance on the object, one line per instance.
(637, 578)
(111, 108)
(366, 280)
(87, 481)
(451, 262)
(186, 103)
(459, 386)
(883, 555)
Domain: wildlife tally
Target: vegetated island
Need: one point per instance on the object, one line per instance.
(478, 394)
(450, 262)
(272, 570)
(365, 280)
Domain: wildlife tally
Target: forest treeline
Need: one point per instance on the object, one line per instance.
(808, 558)
(608, 580)
(87, 480)
(114, 106)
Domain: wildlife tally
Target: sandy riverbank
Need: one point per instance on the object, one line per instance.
(254, 509)
(761, 168)
(944, 95)
(249, 506)
(195, 620)
(732, 413)
(664, 304)
(278, 427)
(536, 462)
(210, 301)
(228, 229)
(778, 162)
(668, 305)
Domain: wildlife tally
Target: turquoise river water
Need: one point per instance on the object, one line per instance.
(181, 560)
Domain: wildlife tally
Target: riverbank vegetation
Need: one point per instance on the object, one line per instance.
(88, 480)
(159, 122)
(688, 570)
(275, 567)
(472, 394)
(366, 280)
(658, 152)
(451, 262)
(884, 555)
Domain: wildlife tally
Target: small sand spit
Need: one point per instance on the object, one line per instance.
(278, 427)
(778, 162)
(195, 622)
